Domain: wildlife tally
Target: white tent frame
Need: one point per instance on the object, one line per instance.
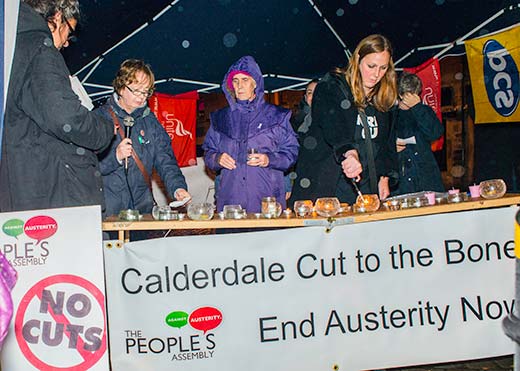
(301, 81)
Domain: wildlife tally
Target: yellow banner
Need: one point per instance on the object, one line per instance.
(494, 62)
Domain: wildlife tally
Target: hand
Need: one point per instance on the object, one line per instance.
(383, 187)
(400, 147)
(258, 159)
(227, 162)
(408, 100)
(351, 166)
(181, 194)
(124, 149)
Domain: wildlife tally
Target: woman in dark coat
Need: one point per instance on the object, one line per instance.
(335, 151)
(125, 184)
(50, 139)
(416, 122)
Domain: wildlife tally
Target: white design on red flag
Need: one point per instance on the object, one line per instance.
(175, 127)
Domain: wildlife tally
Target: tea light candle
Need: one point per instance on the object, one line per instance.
(430, 196)
(474, 191)
(287, 213)
(302, 210)
(453, 191)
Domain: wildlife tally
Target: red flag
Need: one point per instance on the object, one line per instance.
(430, 74)
(177, 114)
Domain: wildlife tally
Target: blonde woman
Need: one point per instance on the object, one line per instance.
(351, 138)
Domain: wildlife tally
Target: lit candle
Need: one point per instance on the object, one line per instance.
(453, 191)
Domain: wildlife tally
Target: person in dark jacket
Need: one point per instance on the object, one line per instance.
(336, 150)
(249, 123)
(126, 187)
(417, 126)
(302, 120)
(49, 139)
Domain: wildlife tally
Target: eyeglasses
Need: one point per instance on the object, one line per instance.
(139, 93)
(72, 37)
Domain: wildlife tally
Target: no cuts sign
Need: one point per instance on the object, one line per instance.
(60, 324)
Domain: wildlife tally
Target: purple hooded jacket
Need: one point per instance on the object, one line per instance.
(243, 125)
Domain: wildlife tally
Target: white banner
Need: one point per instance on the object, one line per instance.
(59, 320)
(384, 294)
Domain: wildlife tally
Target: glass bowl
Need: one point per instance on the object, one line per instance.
(200, 211)
(457, 197)
(234, 212)
(367, 203)
(303, 208)
(494, 188)
(344, 208)
(327, 206)
(130, 215)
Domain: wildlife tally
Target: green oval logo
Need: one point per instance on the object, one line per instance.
(177, 319)
(13, 227)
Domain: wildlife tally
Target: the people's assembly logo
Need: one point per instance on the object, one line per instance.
(186, 347)
(29, 246)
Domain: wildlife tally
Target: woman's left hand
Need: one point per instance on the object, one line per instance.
(259, 159)
(383, 187)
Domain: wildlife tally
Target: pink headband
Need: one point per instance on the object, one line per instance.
(232, 74)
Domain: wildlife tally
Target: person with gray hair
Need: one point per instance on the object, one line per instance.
(417, 126)
(50, 140)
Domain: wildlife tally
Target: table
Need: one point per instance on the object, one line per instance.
(147, 222)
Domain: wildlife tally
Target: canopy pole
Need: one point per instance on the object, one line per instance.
(97, 86)
(92, 70)
(448, 46)
(327, 23)
(490, 19)
(291, 86)
(101, 93)
(278, 76)
(203, 90)
(139, 29)
(437, 46)
(186, 81)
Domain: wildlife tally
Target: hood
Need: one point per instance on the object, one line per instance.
(29, 21)
(249, 65)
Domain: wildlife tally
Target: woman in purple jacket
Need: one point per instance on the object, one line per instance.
(249, 123)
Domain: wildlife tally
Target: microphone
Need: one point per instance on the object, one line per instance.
(128, 122)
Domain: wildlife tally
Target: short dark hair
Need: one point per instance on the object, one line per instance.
(48, 8)
(409, 83)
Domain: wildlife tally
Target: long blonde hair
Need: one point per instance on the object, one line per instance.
(384, 94)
